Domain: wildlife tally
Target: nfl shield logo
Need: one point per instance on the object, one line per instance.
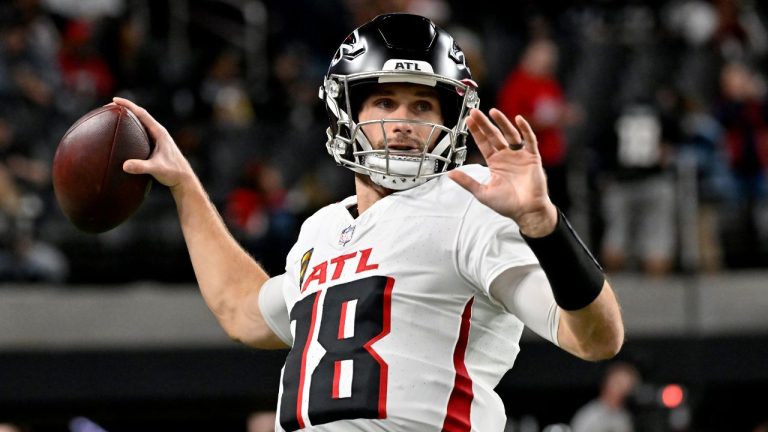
(346, 235)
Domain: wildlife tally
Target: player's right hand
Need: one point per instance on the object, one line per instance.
(166, 163)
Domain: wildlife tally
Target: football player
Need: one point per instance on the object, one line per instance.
(403, 305)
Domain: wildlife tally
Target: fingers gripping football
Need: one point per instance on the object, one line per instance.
(166, 164)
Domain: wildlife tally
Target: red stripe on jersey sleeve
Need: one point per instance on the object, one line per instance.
(457, 416)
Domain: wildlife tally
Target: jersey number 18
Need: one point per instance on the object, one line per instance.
(350, 380)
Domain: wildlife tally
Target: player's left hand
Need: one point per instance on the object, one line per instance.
(518, 186)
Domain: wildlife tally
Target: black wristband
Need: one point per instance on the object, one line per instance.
(574, 274)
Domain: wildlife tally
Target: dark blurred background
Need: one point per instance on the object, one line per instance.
(653, 128)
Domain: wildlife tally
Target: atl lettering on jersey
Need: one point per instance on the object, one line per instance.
(359, 260)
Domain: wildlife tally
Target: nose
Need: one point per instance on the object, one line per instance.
(401, 113)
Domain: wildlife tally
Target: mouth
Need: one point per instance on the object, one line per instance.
(403, 148)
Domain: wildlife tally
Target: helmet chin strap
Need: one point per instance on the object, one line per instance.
(404, 172)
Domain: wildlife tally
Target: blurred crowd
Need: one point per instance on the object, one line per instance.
(651, 118)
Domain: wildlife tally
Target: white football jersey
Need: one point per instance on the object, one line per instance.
(391, 323)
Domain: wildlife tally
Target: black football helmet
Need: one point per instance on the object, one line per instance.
(398, 48)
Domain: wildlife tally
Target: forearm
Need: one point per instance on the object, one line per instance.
(595, 332)
(590, 324)
(228, 277)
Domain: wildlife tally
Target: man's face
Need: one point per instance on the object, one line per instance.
(401, 102)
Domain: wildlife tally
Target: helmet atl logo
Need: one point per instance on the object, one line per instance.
(403, 65)
(346, 235)
(407, 66)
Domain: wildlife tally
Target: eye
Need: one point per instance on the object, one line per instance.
(384, 103)
(423, 106)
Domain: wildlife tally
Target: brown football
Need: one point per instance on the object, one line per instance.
(91, 187)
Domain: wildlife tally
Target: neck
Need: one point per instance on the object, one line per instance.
(613, 400)
(368, 192)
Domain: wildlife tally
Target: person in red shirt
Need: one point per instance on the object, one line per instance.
(533, 91)
(84, 71)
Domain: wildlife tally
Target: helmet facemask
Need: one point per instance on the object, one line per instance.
(392, 168)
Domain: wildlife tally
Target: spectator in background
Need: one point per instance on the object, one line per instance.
(293, 93)
(741, 111)
(608, 412)
(740, 32)
(87, 77)
(702, 146)
(29, 77)
(224, 90)
(248, 205)
(639, 186)
(255, 210)
(132, 60)
(533, 91)
(13, 427)
(23, 181)
(42, 32)
(260, 421)
(229, 116)
(28, 85)
(9, 196)
(292, 108)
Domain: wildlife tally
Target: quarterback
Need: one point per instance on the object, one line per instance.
(403, 305)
